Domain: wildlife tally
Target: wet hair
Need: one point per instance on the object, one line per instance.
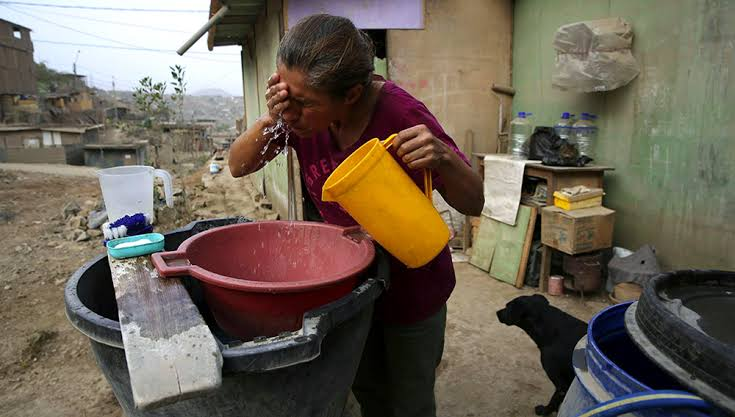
(331, 52)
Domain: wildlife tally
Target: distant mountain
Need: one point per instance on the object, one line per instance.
(217, 92)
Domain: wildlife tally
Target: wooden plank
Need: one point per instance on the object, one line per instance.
(527, 248)
(483, 247)
(586, 168)
(509, 245)
(171, 353)
(543, 283)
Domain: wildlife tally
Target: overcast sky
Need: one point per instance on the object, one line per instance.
(165, 31)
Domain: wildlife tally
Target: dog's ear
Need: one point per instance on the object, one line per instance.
(540, 299)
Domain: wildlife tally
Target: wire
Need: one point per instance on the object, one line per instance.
(67, 27)
(87, 33)
(112, 22)
(90, 45)
(119, 9)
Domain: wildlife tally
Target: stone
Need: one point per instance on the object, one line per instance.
(72, 235)
(75, 222)
(96, 218)
(89, 203)
(166, 215)
(8, 287)
(81, 237)
(94, 233)
(70, 209)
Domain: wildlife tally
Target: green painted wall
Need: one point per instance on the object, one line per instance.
(258, 63)
(267, 37)
(669, 133)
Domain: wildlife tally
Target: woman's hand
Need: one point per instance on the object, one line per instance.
(420, 149)
(276, 97)
(460, 186)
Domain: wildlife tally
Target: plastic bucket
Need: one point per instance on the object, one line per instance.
(608, 365)
(303, 373)
(373, 188)
(259, 278)
(128, 190)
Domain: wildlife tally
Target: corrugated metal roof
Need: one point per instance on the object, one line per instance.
(238, 22)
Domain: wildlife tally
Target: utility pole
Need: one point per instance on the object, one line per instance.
(114, 97)
(74, 69)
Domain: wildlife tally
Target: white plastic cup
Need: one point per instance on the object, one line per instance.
(128, 190)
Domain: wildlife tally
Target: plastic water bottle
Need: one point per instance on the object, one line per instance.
(563, 127)
(520, 131)
(585, 134)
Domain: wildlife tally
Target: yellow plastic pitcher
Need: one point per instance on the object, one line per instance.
(382, 198)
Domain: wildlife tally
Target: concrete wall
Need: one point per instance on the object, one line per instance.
(106, 158)
(15, 139)
(268, 32)
(668, 133)
(55, 155)
(71, 138)
(258, 63)
(451, 64)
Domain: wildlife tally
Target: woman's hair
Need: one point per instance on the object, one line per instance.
(332, 53)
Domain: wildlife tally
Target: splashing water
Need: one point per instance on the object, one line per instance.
(278, 130)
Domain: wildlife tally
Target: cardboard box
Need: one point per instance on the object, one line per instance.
(577, 231)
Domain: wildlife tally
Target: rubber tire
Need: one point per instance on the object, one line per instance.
(702, 356)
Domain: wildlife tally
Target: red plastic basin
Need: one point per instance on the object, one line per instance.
(259, 278)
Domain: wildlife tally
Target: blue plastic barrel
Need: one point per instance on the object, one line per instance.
(609, 365)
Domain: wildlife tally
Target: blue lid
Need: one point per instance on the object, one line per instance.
(522, 114)
(565, 115)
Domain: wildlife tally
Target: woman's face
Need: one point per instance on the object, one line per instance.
(309, 111)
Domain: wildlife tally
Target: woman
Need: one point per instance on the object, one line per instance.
(325, 91)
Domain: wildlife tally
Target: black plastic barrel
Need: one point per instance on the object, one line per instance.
(304, 373)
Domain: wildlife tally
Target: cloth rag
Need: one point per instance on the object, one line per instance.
(502, 187)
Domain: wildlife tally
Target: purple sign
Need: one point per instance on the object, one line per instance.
(366, 14)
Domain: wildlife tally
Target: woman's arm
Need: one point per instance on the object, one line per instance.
(253, 149)
(420, 149)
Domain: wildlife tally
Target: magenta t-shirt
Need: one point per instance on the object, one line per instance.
(414, 294)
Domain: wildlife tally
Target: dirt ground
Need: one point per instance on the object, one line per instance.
(46, 366)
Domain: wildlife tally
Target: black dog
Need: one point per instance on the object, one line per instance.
(555, 332)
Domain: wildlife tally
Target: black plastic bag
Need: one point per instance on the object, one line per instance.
(546, 146)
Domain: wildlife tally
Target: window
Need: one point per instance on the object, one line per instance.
(31, 143)
(51, 139)
(17, 34)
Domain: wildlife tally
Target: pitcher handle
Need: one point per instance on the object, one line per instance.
(428, 187)
(168, 187)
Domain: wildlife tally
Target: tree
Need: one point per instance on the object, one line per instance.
(150, 97)
(177, 73)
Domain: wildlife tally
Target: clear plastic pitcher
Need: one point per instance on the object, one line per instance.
(128, 190)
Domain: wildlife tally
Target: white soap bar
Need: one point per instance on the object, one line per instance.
(133, 243)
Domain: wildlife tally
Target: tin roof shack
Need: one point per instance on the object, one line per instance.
(71, 102)
(17, 75)
(189, 137)
(74, 101)
(48, 144)
(105, 155)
